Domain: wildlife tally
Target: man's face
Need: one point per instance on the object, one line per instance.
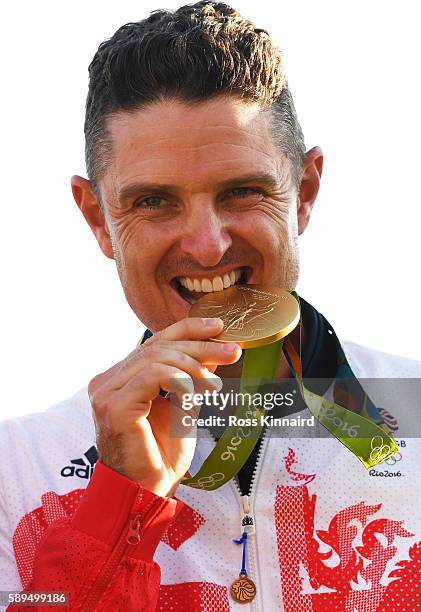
(197, 198)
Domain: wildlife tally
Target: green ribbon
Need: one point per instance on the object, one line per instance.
(237, 442)
(368, 441)
(362, 436)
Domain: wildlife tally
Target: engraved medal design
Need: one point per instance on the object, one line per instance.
(253, 315)
(243, 590)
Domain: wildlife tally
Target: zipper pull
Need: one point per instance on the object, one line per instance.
(247, 518)
(133, 535)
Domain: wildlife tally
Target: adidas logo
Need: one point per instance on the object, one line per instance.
(86, 469)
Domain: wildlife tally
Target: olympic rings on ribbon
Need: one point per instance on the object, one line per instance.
(379, 452)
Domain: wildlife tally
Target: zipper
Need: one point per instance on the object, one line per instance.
(248, 522)
(130, 536)
(247, 517)
(247, 510)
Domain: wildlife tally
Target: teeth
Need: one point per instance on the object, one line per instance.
(218, 284)
(206, 285)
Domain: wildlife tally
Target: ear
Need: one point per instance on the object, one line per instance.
(309, 188)
(90, 207)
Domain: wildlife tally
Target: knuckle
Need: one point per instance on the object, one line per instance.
(100, 401)
(93, 384)
(155, 370)
(149, 352)
(184, 360)
(186, 327)
(190, 323)
(100, 379)
(157, 337)
(203, 347)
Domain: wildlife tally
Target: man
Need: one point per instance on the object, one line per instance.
(198, 180)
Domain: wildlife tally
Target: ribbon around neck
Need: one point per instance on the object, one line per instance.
(363, 431)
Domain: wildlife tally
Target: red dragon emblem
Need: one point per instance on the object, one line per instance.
(346, 577)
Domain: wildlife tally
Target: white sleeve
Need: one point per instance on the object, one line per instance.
(9, 575)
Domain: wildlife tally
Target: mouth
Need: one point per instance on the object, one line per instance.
(191, 288)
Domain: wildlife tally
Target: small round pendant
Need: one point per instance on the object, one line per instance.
(243, 589)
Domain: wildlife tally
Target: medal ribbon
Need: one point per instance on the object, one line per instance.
(355, 421)
(235, 446)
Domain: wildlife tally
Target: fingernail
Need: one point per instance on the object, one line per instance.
(212, 322)
(230, 347)
(216, 382)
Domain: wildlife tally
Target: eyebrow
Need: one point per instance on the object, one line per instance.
(134, 189)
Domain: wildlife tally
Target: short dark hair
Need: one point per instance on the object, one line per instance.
(195, 53)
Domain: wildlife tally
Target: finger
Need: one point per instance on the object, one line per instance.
(194, 328)
(145, 386)
(179, 359)
(207, 352)
(122, 409)
(186, 355)
(191, 328)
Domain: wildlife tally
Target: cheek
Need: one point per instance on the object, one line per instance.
(137, 248)
(273, 226)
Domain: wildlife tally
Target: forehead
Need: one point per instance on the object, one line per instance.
(192, 145)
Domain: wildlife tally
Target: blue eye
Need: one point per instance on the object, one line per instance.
(243, 192)
(151, 202)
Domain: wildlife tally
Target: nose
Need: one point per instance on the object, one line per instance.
(205, 235)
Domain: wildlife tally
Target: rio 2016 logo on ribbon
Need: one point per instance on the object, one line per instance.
(381, 451)
(206, 482)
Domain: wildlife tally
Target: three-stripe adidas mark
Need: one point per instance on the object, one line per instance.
(86, 469)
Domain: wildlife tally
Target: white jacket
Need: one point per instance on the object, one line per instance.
(328, 535)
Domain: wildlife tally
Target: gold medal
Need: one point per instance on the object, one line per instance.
(253, 315)
(243, 589)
